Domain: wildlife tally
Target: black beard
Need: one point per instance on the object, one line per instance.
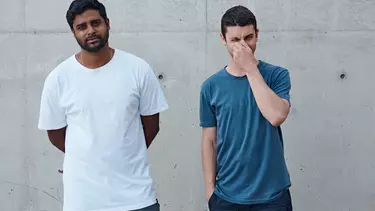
(102, 43)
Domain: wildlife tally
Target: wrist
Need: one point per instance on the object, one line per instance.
(210, 185)
(209, 192)
(253, 73)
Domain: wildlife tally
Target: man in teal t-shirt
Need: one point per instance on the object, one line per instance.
(241, 109)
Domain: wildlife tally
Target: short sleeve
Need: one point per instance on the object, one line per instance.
(206, 110)
(52, 115)
(152, 99)
(281, 83)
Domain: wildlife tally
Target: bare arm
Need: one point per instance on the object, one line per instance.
(209, 159)
(150, 127)
(57, 138)
(273, 108)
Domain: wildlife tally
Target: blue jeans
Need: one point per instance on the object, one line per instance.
(154, 207)
(283, 203)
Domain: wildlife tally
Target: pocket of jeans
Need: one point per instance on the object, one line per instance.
(211, 200)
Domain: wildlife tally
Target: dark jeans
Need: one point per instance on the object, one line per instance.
(154, 207)
(283, 203)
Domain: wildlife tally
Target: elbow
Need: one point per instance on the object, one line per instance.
(277, 120)
(152, 130)
(279, 116)
(208, 144)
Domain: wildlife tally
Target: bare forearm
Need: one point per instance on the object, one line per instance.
(209, 165)
(273, 108)
(57, 138)
(150, 127)
(150, 135)
(60, 145)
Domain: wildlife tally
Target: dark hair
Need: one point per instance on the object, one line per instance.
(237, 16)
(78, 7)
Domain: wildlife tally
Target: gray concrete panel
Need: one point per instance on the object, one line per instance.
(12, 15)
(13, 58)
(157, 15)
(47, 16)
(125, 16)
(297, 15)
(328, 47)
(175, 164)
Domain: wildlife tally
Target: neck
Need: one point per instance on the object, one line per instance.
(95, 59)
(234, 70)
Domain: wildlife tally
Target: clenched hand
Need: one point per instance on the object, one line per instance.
(244, 58)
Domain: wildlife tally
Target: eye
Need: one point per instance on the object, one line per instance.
(81, 27)
(249, 37)
(96, 23)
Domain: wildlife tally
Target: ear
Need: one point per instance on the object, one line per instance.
(73, 33)
(223, 40)
(108, 24)
(257, 34)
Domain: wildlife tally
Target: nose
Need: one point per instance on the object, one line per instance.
(91, 30)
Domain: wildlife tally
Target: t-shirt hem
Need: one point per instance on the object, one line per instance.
(51, 127)
(255, 201)
(131, 207)
(286, 97)
(155, 111)
(203, 124)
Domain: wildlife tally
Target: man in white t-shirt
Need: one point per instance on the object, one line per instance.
(101, 108)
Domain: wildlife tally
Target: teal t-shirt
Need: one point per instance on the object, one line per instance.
(251, 167)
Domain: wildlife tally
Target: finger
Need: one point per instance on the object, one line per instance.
(235, 53)
(235, 46)
(239, 47)
(250, 49)
(235, 49)
(244, 44)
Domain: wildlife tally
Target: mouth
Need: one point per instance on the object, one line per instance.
(92, 40)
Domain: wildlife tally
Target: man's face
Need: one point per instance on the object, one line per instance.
(234, 34)
(91, 30)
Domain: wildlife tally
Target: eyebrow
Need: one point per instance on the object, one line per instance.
(85, 23)
(251, 34)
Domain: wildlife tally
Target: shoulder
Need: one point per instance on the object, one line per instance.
(137, 68)
(212, 81)
(272, 67)
(274, 71)
(54, 77)
(136, 62)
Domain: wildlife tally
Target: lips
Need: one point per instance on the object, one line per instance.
(92, 40)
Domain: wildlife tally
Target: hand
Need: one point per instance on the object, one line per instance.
(209, 193)
(244, 57)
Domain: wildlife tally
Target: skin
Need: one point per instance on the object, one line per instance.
(241, 44)
(91, 32)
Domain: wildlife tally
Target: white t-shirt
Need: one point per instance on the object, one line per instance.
(105, 164)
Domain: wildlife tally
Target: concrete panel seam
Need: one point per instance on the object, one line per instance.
(113, 31)
(308, 30)
(177, 32)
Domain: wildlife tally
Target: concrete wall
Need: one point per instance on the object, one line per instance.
(330, 134)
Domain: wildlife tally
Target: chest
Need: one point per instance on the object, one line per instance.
(233, 97)
(106, 95)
